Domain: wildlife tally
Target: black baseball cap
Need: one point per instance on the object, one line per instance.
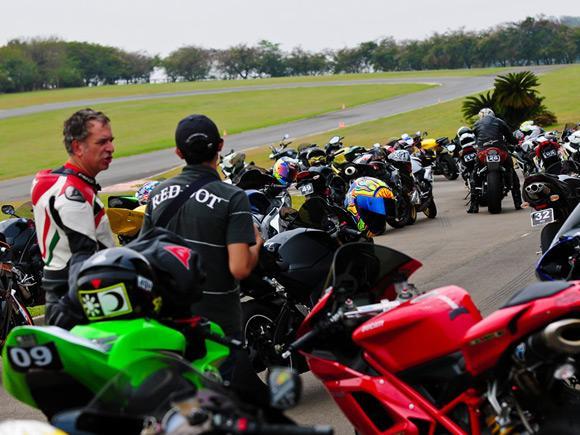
(197, 134)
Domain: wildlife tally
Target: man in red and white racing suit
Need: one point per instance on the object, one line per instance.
(70, 218)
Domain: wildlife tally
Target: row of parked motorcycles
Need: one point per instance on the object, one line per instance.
(396, 359)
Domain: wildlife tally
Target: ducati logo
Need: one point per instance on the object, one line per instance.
(182, 253)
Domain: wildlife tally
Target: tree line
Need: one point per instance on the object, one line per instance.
(52, 63)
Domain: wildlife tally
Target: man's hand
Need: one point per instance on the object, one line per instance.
(258, 235)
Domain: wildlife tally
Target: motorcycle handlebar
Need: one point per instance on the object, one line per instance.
(232, 343)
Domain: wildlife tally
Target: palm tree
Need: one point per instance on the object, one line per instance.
(473, 104)
(514, 99)
(515, 91)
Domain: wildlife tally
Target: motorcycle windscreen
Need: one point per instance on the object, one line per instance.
(145, 388)
(369, 268)
(314, 213)
(572, 223)
(254, 178)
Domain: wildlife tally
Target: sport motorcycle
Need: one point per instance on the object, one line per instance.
(397, 360)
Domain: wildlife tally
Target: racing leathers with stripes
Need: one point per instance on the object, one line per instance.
(71, 225)
(216, 215)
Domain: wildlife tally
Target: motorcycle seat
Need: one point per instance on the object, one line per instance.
(535, 291)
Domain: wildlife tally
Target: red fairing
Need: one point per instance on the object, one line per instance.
(488, 340)
(546, 145)
(420, 330)
(306, 325)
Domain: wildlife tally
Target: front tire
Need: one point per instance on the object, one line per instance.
(494, 192)
(258, 326)
(431, 211)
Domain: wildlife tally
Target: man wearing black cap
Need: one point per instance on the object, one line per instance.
(215, 219)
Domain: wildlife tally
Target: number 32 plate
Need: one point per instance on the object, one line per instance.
(542, 217)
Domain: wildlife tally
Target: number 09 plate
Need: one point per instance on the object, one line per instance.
(542, 217)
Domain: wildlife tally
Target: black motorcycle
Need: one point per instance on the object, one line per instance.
(289, 280)
(20, 270)
(553, 197)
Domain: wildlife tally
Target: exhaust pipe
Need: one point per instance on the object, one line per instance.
(562, 336)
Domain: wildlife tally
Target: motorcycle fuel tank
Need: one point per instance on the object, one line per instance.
(420, 330)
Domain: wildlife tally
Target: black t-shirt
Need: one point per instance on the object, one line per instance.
(215, 216)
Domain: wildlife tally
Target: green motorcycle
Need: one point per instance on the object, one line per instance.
(54, 370)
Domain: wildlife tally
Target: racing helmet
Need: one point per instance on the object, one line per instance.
(315, 156)
(144, 191)
(285, 170)
(117, 283)
(486, 111)
(369, 200)
(409, 141)
(527, 127)
(574, 138)
(462, 130)
(466, 140)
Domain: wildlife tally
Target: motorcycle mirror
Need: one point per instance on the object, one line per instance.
(286, 136)
(334, 140)
(285, 388)
(8, 209)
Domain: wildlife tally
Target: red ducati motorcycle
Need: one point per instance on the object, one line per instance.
(493, 178)
(400, 362)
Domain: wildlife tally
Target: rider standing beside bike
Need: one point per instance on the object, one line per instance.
(490, 128)
(70, 218)
(214, 217)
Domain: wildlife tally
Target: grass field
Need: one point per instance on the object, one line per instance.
(32, 142)
(560, 87)
(10, 101)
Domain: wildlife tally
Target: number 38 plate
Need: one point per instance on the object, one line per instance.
(23, 359)
(542, 217)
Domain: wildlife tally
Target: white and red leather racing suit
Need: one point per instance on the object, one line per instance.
(71, 225)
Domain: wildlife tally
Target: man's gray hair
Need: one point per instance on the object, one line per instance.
(77, 126)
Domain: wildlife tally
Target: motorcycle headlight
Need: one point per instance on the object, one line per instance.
(451, 148)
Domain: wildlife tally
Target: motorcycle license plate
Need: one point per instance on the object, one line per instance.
(469, 157)
(542, 217)
(550, 153)
(492, 158)
(306, 189)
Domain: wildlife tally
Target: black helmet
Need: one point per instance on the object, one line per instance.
(462, 130)
(117, 283)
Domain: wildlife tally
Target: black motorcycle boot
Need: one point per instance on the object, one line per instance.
(516, 191)
(473, 202)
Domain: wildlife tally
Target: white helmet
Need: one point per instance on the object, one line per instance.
(467, 139)
(486, 111)
(407, 139)
(574, 138)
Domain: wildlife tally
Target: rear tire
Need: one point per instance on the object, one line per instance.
(403, 213)
(431, 211)
(449, 166)
(494, 192)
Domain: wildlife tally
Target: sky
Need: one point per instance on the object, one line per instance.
(161, 26)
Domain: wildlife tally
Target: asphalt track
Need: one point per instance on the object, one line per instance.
(144, 165)
(492, 256)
